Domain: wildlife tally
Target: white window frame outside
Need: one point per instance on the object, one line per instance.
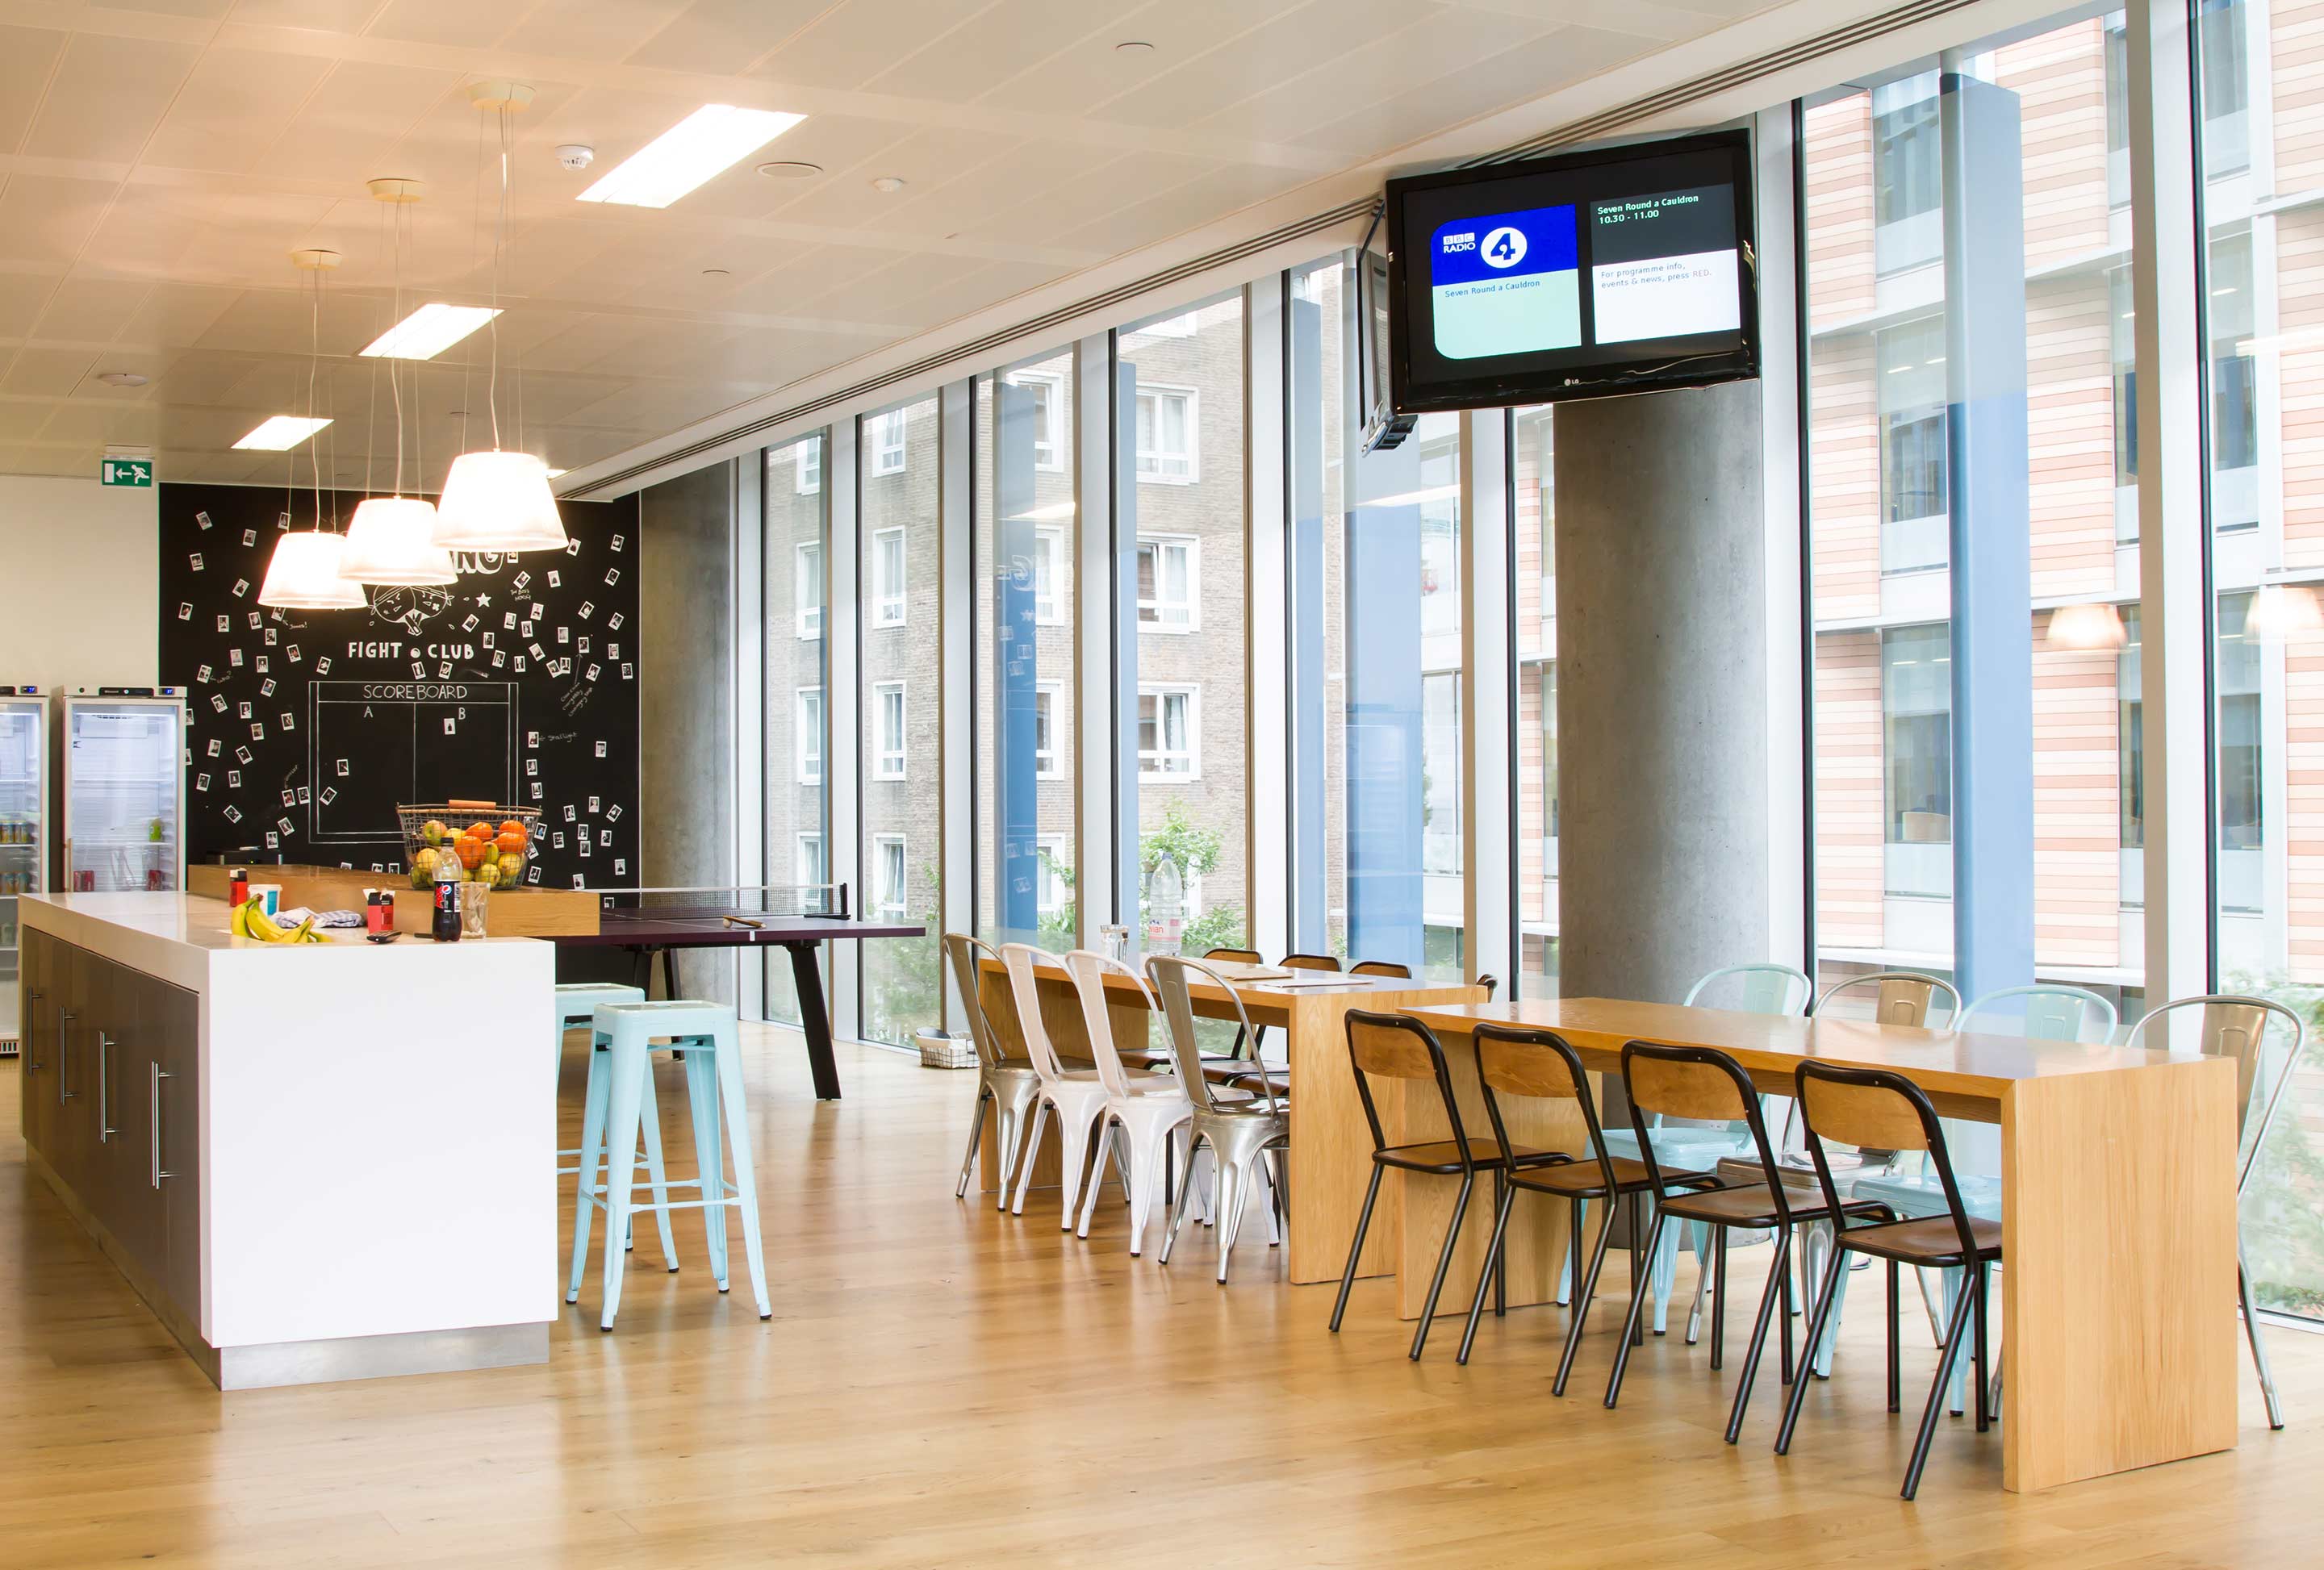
(1049, 608)
(1049, 438)
(1048, 888)
(1151, 761)
(1160, 621)
(887, 435)
(1049, 699)
(1184, 325)
(808, 859)
(887, 764)
(880, 845)
(806, 589)
(1149, 464)
(809, 478)
(887, 597)
(810, 764)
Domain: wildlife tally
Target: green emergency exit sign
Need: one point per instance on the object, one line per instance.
(137, 472)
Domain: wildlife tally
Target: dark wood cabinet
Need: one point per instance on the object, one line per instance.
(111, 1100)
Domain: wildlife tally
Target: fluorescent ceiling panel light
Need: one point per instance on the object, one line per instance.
(706, 143)
(281, 432)
(429, 331)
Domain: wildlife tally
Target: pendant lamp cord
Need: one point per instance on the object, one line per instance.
(499, 246)
(371, 419)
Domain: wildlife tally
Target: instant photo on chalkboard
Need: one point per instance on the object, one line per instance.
(518, 683)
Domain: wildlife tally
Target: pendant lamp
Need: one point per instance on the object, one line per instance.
(496, 501)
(304, 572)
(392, 539)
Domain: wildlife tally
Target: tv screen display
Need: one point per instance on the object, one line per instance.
(1621, 270)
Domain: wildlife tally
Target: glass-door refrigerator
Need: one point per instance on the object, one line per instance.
(121, 793)
(23, 840)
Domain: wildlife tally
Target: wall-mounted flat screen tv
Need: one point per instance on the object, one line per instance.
(1621, 270)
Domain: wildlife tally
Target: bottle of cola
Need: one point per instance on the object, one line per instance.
(445, 926)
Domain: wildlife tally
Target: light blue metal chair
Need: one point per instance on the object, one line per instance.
(631, 1034)
(573, 1005)
(2236, 1027)
(2051, 1011)
(1763, 987)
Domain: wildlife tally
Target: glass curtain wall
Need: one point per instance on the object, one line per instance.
(896, 709)
(2260, 153)
(1533, 641)
(1893, 342)
(798, 522)
(1025, 621)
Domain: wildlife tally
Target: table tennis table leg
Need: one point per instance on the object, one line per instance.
(807, 978)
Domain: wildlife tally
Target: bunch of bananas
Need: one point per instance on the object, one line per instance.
(250, 919)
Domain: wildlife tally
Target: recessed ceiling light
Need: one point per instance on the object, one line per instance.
(1133, 46)
(782, 170)
(706, 143)
(279, 433)
(121, 379)
(887, 182)
(429, 331)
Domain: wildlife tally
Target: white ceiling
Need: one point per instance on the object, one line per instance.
(164, 158)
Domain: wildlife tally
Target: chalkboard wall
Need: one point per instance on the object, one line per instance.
(518, 685)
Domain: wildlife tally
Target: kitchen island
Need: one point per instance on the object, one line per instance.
(313, 1162)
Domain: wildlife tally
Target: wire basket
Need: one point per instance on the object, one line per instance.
(498, 858)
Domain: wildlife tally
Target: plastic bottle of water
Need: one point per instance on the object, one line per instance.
(1165, 906)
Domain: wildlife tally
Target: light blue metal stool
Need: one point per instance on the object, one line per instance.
(575, 1004)
(620, 1082)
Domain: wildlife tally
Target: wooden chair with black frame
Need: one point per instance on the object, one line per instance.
(1877, 1108)
(1700, 1082)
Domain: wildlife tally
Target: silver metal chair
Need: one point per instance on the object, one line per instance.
(1903, 995)
(1243, 1134)
(2236, 1027)
(1004, 1085)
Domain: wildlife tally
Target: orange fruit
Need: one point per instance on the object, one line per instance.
(472, 850)
(510, 844)
(479, 831)
(513, 827)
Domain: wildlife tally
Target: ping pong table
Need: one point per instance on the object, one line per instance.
(661, 928)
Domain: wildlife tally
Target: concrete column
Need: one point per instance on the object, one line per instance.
(1663, 754)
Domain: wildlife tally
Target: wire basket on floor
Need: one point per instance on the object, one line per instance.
(496, 857)
(939, 1051)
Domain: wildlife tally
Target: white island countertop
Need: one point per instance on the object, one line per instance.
(377, 1126)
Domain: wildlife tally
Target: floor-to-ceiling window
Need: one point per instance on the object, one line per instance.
(896, 709)
(1186, 511)
(1024, 553)
(1315, 447)
(1533, 639)
(797, 515)
(1897, 334)
(2261, 162)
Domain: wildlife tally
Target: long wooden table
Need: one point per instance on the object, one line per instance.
(2118, 1214)
(1331, 1147)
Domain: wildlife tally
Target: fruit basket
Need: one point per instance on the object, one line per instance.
(491, 843)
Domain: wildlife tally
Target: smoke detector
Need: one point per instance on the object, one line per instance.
(576, 155)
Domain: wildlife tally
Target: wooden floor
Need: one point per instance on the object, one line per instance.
(943, 1386)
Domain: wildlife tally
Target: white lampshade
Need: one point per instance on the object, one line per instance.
(304, 575)
(498, 502)
(2284, 613)
(391, 540)
(2087, 627)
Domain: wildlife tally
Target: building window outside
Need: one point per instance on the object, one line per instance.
(888, 577)
(2130, 736)
(1168, 586)
(1907, 175)
(1049, 575)
(1048, 390)
(1916, 725)
(887, 433)
(2242, 744)
(1915, 532)
(1045, 733)
(806, 589)
(2234, 384)
(1168, 435)
(808, 475)
(2122, 325)
(888, 712)
(809, 732)
(808, 862)
(887, 874)
(1169, 744)
(1052, 890)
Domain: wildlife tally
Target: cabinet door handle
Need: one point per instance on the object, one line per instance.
(32, 1040)
(158, 1173)
(104, 1129)
(64, 1048)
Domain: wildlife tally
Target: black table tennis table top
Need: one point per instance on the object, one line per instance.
(709, 926)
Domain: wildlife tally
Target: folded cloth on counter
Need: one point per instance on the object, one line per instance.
(297, 914)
